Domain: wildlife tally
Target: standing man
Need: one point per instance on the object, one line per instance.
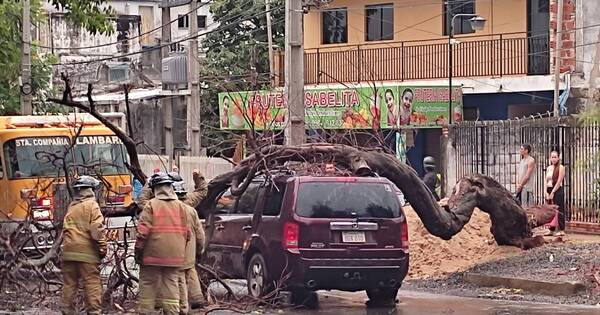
(525, 175)
(432, 180)
(160, 248)
(84, 246)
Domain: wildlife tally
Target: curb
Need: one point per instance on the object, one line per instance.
(532, 286)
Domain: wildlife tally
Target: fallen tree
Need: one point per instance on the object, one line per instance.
(511, 224)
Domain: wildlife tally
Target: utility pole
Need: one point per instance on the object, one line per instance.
(26, 107)
(294, 73)
(193, 104)
(270, 42)
(557, 56)
(167, 102)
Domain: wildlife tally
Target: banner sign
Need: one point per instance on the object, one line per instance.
(384, 107)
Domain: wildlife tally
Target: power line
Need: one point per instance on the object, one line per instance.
(186, 38)
(121, 41)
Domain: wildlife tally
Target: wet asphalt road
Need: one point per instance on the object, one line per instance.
(416, 303)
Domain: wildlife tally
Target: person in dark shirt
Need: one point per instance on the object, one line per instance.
(431, 178)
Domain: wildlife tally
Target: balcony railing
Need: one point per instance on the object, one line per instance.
(474, 56)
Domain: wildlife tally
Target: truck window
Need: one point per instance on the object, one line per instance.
(104, 155)
(347, 200)
(36, 156)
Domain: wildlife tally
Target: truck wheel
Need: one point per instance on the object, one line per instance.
(382, 296)
(257, 277)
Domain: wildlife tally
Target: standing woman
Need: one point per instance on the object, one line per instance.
(555, 193)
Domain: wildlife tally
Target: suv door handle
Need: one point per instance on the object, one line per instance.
(220, 227)
(247, 227)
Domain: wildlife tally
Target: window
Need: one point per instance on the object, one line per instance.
(104, 155)
(36, 157)
(183, 21)
(462, 25)
(335, 26)
(201, 21)
(225, 203)
(379, 22)
(247, 201)
(347, 200)
(274, 200)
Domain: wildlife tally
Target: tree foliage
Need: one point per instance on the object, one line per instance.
(236, 54)
(90, 14)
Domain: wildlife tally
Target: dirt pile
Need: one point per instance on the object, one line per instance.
(433, 257)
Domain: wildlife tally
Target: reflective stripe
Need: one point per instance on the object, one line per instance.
(170, 229)
(169, 301)
(175, 261)
(143, 229)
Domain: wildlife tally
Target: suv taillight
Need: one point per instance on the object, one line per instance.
(291, 235)
(404, 235)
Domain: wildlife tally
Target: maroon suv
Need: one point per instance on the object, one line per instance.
(309, 233)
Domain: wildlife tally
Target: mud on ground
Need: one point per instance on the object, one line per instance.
(438, 266)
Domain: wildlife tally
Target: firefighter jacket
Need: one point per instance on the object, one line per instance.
(163, 230)
(83, 230)
(194, 198)
(195, 246)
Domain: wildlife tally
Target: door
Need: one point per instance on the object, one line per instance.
(538, 33)
(147, 17)
(232, 222)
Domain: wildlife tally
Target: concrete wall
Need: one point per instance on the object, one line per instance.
(587, 53)
(210, 167)
(58, 32)
(418, 21)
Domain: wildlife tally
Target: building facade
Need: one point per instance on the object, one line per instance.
(505, 70)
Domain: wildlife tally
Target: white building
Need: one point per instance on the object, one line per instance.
(137, 27)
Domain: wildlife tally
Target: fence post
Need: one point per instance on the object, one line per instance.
(359, 63)
(318, 66)
(402, 61)
(501, 56)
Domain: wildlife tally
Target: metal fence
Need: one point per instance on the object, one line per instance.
(492, 148)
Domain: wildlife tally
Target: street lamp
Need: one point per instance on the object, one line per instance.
(477, 23)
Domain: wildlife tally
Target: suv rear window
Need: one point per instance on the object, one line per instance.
(347, 200)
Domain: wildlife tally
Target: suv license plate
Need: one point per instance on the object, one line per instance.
(353, 237)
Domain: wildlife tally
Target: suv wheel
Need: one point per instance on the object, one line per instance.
(257, 277)
(382, 296)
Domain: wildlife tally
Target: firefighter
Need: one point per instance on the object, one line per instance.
(160, 248)
(84, 246)
(432, 180)
(189, 285)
